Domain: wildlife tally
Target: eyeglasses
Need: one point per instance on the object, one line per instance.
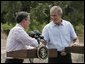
(53, 15)
(27, 19)
(58, 14)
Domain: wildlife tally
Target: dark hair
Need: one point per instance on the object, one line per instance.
(20, 16)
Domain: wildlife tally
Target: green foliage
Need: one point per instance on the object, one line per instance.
(6, 27)
(79, 29)
(73, 11)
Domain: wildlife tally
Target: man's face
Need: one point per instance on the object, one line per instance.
(26, 23)
(55, 16)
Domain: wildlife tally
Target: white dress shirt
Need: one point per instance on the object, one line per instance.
(18, 39)
(59, 36)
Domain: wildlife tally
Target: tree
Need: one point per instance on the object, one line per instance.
(73, 11)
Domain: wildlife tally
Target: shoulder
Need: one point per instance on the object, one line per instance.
(16, 29)
(65, 22)
(48, 25)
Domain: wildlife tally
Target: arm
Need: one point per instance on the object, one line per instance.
(25, 39)
(46, 35)
(73, 36)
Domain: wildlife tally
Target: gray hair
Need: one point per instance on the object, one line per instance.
(22, 15)
(58, 8)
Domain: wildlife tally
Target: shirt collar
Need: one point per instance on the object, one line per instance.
(53, 24)
(19, 26)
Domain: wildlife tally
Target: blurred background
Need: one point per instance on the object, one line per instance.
(73, 11)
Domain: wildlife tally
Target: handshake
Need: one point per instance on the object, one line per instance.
(42, 51)
(37, 35)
